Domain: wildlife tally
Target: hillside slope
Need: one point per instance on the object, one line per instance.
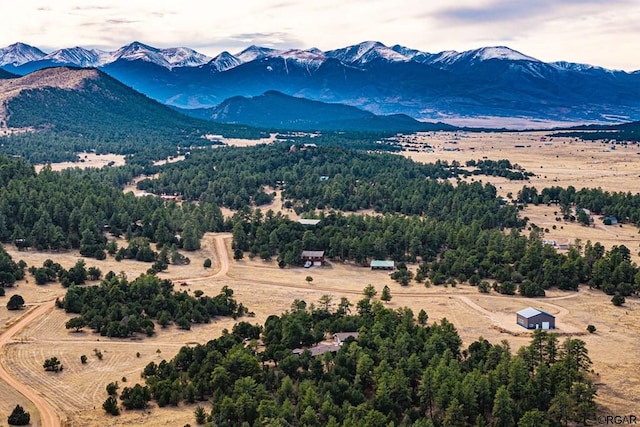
(279, 111)
(92, 111)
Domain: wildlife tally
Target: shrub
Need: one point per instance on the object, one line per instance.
(591, 329)
(618, 300)
(19, 417)
(16, 302)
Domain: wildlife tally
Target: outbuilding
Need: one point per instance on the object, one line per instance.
(532, 318)
(378, 264)
(314, 257)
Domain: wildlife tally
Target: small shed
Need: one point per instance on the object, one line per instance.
(610, 220)
(378, 264)
(532, 318)
(315, 257)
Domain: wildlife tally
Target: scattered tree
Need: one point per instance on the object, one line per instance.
(369, 291)
(83, 359)
(52, 365)
(76, 323)
(591, 329)
(309, 279)
(19, 417)
(618, 300)
(200, 414)
(207, 263)
(16, 302)
(386, 294)
(111, 406)
(112, 388)
(423, 317)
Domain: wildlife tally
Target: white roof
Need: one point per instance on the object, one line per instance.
(529, 312)
(305, 221)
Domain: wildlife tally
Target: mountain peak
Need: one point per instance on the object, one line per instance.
(366, 51)
(76, 56)
(184, 57)
(224, 61)
(140, 51)
(500, 52)
(254, 52)
(19, 53)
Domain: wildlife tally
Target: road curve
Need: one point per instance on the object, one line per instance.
(48, 415)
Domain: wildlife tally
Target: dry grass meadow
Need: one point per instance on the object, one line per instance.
(77, 393)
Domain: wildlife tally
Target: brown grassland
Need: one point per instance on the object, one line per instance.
(77, 393)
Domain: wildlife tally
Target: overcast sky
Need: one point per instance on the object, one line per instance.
(597, 32)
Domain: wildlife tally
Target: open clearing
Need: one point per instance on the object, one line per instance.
(88, 160)
(77, 393)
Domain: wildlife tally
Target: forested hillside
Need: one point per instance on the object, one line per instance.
(396, 372)
(100, 114)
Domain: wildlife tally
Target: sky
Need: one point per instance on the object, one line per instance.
(605, 33)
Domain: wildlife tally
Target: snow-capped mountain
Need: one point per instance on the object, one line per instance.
(451, 57)
(366, 52)
(224, 61)
(18, 54)
(311, 59)
(139, 51)
(255, 52)
(490, 81)
(184, 57)
(76, 56)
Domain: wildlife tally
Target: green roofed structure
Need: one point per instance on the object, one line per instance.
(377, 264)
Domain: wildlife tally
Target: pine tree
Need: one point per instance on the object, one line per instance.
(386, 294)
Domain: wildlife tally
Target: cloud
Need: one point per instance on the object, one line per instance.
(509, 10)
(121, 21)
(93, 7)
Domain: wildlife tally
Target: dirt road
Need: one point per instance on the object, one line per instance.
(48, 414)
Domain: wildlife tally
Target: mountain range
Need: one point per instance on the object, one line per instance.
(489, 83)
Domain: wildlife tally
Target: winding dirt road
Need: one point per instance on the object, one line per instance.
(48, 414)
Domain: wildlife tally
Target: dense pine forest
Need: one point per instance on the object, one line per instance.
(397, 371)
